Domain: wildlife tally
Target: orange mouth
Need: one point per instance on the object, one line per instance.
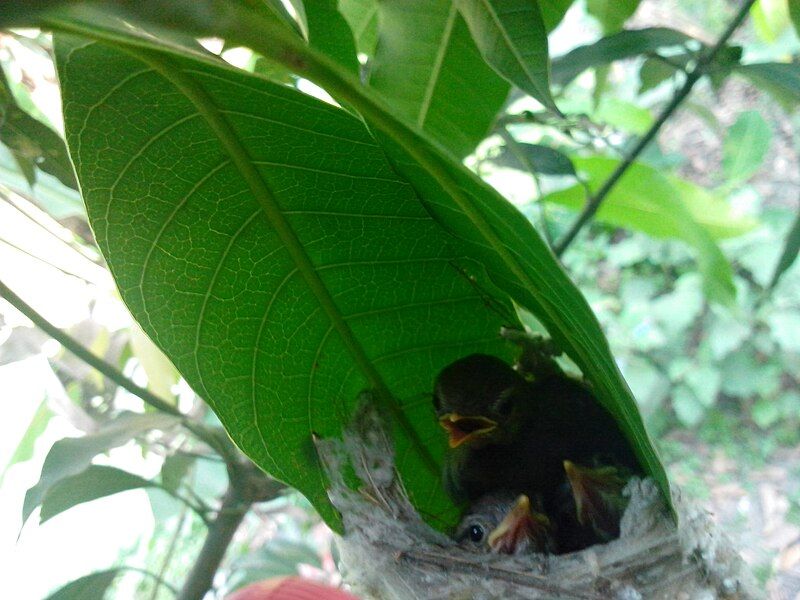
(520, 527)
(462, 429)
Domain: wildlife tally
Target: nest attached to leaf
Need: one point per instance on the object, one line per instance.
(389, 552)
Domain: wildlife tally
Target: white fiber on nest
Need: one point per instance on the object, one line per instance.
(388, 552)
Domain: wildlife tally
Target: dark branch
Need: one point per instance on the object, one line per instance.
(692, 77)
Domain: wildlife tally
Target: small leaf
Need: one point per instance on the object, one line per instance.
(624, 44)
(688, 409)
(766, 412)
(745, 147)
(512, 38)
(653, 72)
(781, 80)
(612, 14)
(32, 140)
(89, 587)
(770, 18)
(174, 469)
(36, 427)
(70, 456)
(536, 157)
(794, 14)
(95, 482)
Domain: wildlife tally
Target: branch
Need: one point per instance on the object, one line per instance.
(692, 77)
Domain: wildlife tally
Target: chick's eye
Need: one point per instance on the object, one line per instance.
(476, 533)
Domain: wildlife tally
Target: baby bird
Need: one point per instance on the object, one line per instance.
(503, 523)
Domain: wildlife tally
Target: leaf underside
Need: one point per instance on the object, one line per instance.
(263, 241)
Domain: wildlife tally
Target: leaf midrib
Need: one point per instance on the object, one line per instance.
(244, 164)
(436, 71)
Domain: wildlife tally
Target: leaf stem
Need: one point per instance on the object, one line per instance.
(692, 77)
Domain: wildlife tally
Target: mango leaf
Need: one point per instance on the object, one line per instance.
(362, 15)
(482, 223)
(89, 587)
(94, 482)
(434, 75)
(300, 268)
(624, 44)
(512, 38)
(612, 14)
(647, 201)
(745, 147)
(780, 80)
(70, 456)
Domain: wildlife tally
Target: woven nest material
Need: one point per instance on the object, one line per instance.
(389, 552)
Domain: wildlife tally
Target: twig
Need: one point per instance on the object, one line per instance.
(692, 78)
(452, 563)
(173, 543)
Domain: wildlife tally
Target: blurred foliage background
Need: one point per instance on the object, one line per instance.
(717, 375)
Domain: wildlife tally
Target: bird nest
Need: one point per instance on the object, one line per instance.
(389, 552)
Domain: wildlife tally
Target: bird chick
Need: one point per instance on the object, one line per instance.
(503, 523)
(598, 498)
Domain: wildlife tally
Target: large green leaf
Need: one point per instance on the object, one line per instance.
(511, 36)
(433, 75)
(646, 200)
(624, 44)
(484, 225)
(794, 15)
(362, 15)
(553, 12)
(745, 147)
(329, 32)
(263, 241)
(94, 482)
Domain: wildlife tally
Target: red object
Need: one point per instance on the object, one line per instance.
(289, 588)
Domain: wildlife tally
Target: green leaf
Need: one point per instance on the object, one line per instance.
(745, 147)
(770, 18)
(174, 470)
(32, 140)
(654, 72)
(483, 224)
(612, 14)
(512, 38)
(688, 409)
(362, 15)
(790, 250)
(618, 46)
(24, 449)
(433, 75)
(279, 557)
(329, 32)
(780, 80)
(794, 14)
(645, 200)
(537, 158)
(553, 12)
(95, 482)
(70, 456)
(89, 587)
(314, 272)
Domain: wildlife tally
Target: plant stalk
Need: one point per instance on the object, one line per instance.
(692, 77)
(220, 534)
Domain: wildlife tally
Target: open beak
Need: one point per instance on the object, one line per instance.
(461, 429)
(520, 529)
